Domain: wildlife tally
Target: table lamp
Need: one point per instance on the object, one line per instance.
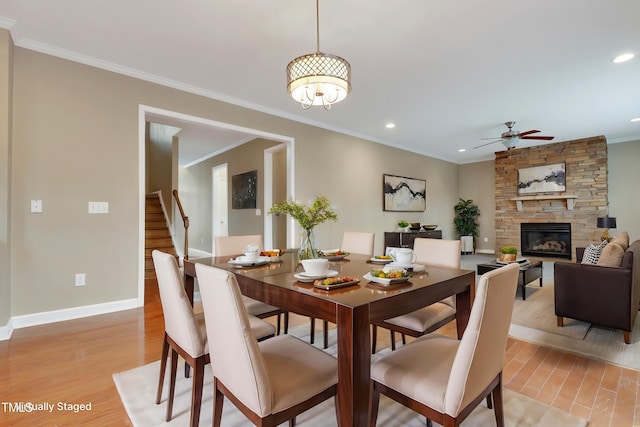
(606, 222)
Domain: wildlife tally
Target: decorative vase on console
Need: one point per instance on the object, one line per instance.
(308, 217)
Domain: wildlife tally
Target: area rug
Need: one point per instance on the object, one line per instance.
(137, 389)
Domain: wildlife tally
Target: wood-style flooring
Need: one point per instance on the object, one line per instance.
(72, 362)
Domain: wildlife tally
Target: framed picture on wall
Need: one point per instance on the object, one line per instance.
(542, 179)
(404, 194)
(244, 188)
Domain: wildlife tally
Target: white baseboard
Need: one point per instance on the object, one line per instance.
(34, 319)
(197, 253)
(485, 251)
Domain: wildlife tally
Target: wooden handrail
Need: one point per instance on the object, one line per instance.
(185, 221)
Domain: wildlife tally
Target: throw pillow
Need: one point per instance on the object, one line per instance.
(622, 239)
(611, 255)
(592, 252)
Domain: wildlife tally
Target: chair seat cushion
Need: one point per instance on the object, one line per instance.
(260, 328)
(421, 320)
(405, 370)
(297, 370)
(256, 308)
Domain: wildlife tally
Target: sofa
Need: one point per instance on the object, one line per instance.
(605, 293)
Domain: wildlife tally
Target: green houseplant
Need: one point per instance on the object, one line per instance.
(308, 217)
(466, 222)
(508, 253)
(402, 225)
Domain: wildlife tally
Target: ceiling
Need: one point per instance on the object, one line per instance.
(447, 73)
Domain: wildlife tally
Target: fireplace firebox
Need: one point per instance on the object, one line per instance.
(551, 239)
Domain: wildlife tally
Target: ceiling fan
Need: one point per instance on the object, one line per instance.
(511, 137)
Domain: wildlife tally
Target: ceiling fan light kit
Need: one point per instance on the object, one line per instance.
(511, 137)
(318, 78)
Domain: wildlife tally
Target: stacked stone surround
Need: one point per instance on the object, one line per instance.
(586, 178)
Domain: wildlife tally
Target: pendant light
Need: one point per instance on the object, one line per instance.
(318, 78)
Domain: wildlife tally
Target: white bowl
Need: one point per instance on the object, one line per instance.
(316, 266)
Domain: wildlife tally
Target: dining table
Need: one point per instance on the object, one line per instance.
(352, 308)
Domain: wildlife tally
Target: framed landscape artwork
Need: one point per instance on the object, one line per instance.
(542, 179)
(404, 194)
(244, 190)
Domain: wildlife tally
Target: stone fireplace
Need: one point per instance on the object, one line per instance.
(583, 201)
(551, 239)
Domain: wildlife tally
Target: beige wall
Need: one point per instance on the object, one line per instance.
(76, 139)
(624, 176)
(6, 76)
(477, 182)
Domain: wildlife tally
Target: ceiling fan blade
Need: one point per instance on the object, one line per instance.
(545, 138)
(488, 143)
(521, 134)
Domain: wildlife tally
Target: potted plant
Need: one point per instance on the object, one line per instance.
(402, 225)
(308, 217)
(508, 253)
(466, 222)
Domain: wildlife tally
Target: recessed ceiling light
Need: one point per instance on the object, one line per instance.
(637, 119)
(390, 125)
(623, 58)
(462, 150)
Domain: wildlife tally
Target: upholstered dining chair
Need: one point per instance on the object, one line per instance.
(269, 382)
(443, 378)
(234, 245)
(184, 332)
(445, 253)
(354, 242)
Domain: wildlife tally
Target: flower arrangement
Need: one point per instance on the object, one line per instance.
(508, 253)
(308, 217)
(403, 224)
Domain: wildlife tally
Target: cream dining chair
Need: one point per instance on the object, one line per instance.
(354, 242)
(438, 252)
(234, 245)
(443, 378)
(269, 382)
(185, 333)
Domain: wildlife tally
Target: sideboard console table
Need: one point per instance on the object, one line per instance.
(405, 240)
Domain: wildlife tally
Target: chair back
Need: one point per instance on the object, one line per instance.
(237, 360)
(356, 242)
(180, 323)
(480, 355)
(445, 253)
(234, 245)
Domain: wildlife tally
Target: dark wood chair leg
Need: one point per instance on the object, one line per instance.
(404, 339)
(286, 322)
(312, 330)
(172, 383)
(375, 404)
(393, 340)
(278, 324)
(489, 402)
(196, 391)
(497, 403)
(218, 400)
(163, 367)
(374, 338)
(325, 333)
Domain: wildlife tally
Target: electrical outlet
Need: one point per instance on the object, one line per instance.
(80, 279)
(258, 212)
(486, 239)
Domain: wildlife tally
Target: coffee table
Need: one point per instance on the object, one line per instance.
(527, 274)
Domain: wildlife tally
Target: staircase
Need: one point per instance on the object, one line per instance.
(156, 233)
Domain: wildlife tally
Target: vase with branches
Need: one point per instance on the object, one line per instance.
(307, 217)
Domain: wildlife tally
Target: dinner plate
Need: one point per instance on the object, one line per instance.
(309, 278)
(380, 260)
(335, 285)
(384, 281)
(331, 254)
(242, 261)
(408, 267)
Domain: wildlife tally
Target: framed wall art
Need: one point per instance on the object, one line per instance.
(404, 194)
(542, 179)
(244, 189)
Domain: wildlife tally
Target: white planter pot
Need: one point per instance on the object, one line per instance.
(466, 244)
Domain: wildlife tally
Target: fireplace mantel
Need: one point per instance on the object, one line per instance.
(568, 198)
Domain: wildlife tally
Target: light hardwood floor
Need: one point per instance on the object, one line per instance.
(72, 362)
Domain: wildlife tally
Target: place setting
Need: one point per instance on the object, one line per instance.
(253, 257)
(317, 272)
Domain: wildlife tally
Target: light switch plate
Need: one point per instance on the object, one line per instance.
(98, 207)
(36, 206)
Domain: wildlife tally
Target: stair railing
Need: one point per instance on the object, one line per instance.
(185, 221)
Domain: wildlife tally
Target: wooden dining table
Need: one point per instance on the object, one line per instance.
(351, 308)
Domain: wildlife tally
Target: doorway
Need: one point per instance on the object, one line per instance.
(220, 203)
